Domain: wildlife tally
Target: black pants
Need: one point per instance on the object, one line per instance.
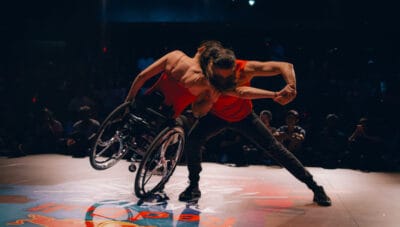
(253, 129)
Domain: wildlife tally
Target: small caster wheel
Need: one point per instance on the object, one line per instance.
(132, 168)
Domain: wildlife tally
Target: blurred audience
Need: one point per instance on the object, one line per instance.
(266, 118)
(366, 145)
(292, 135)
(83, 133)
(66, 82)
(80, 98)
(329, 147)
(46, 136)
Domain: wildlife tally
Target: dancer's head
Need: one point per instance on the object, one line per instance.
(218, 64)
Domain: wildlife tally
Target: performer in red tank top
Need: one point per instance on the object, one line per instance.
(182, 81)
(231, 108)
(235, 112)
(175, 94)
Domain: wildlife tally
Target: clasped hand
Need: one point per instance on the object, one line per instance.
(286, 95)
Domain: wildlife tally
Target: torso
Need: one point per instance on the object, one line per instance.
(191, 82)
(233, 109)
(188, 73)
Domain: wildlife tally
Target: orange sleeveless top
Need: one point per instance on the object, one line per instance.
(176, 95)
(233, 109)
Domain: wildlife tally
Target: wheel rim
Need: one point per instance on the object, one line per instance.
(160, 162)
(110, 151)
(110, 146)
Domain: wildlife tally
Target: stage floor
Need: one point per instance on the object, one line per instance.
(57, 190)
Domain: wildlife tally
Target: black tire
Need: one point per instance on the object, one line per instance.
(109, 146)
(160, 161)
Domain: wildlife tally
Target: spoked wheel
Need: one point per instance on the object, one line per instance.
(160, 161)
(109, 146)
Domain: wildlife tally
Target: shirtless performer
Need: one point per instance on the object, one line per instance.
(182, 81)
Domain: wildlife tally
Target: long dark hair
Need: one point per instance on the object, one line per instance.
(215, 55)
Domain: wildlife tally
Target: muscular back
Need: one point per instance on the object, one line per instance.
(184, 70)
(187, 72)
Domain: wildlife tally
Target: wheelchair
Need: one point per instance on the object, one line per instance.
(146, 131)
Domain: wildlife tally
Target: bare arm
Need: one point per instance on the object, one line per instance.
(151, 71)
(246, 92)
(271, 68)
(281, 97)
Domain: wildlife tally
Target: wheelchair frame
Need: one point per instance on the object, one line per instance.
(154, 140)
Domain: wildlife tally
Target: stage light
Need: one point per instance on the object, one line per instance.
(252, 2)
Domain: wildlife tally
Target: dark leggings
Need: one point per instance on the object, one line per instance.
(253, 129)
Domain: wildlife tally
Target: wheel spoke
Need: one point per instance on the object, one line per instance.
(159, 162)
(148, 178)
(110, 144)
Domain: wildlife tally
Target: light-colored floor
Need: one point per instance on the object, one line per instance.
(57, 190)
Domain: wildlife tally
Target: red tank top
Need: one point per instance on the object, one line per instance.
(175, 94)
(233, 109)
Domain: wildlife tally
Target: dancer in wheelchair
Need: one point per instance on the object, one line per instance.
(182, 81)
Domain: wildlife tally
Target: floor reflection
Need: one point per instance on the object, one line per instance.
(153, 211)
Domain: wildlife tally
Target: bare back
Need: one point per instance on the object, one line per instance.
(187, 72)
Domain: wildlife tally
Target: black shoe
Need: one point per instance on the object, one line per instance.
(191, 193)
(321, 198)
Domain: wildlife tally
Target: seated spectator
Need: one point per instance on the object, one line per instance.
(291, 135)
(83, 133)
(46, 136)
(81, 98)
(266, 118)
(330, 143)
(366, 146)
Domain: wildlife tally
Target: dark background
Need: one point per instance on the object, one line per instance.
(346, 53)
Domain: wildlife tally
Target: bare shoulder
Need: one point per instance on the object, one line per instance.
(174, 59)
(175, 54)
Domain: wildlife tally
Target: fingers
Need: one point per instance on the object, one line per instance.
(291, 91)
(286, 95)
(283, 100)
(288, 90)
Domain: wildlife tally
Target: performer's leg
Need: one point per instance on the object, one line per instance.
(207, 127)
(265, 141)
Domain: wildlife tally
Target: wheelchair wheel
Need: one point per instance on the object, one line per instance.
(160, 161)
(109, 146)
